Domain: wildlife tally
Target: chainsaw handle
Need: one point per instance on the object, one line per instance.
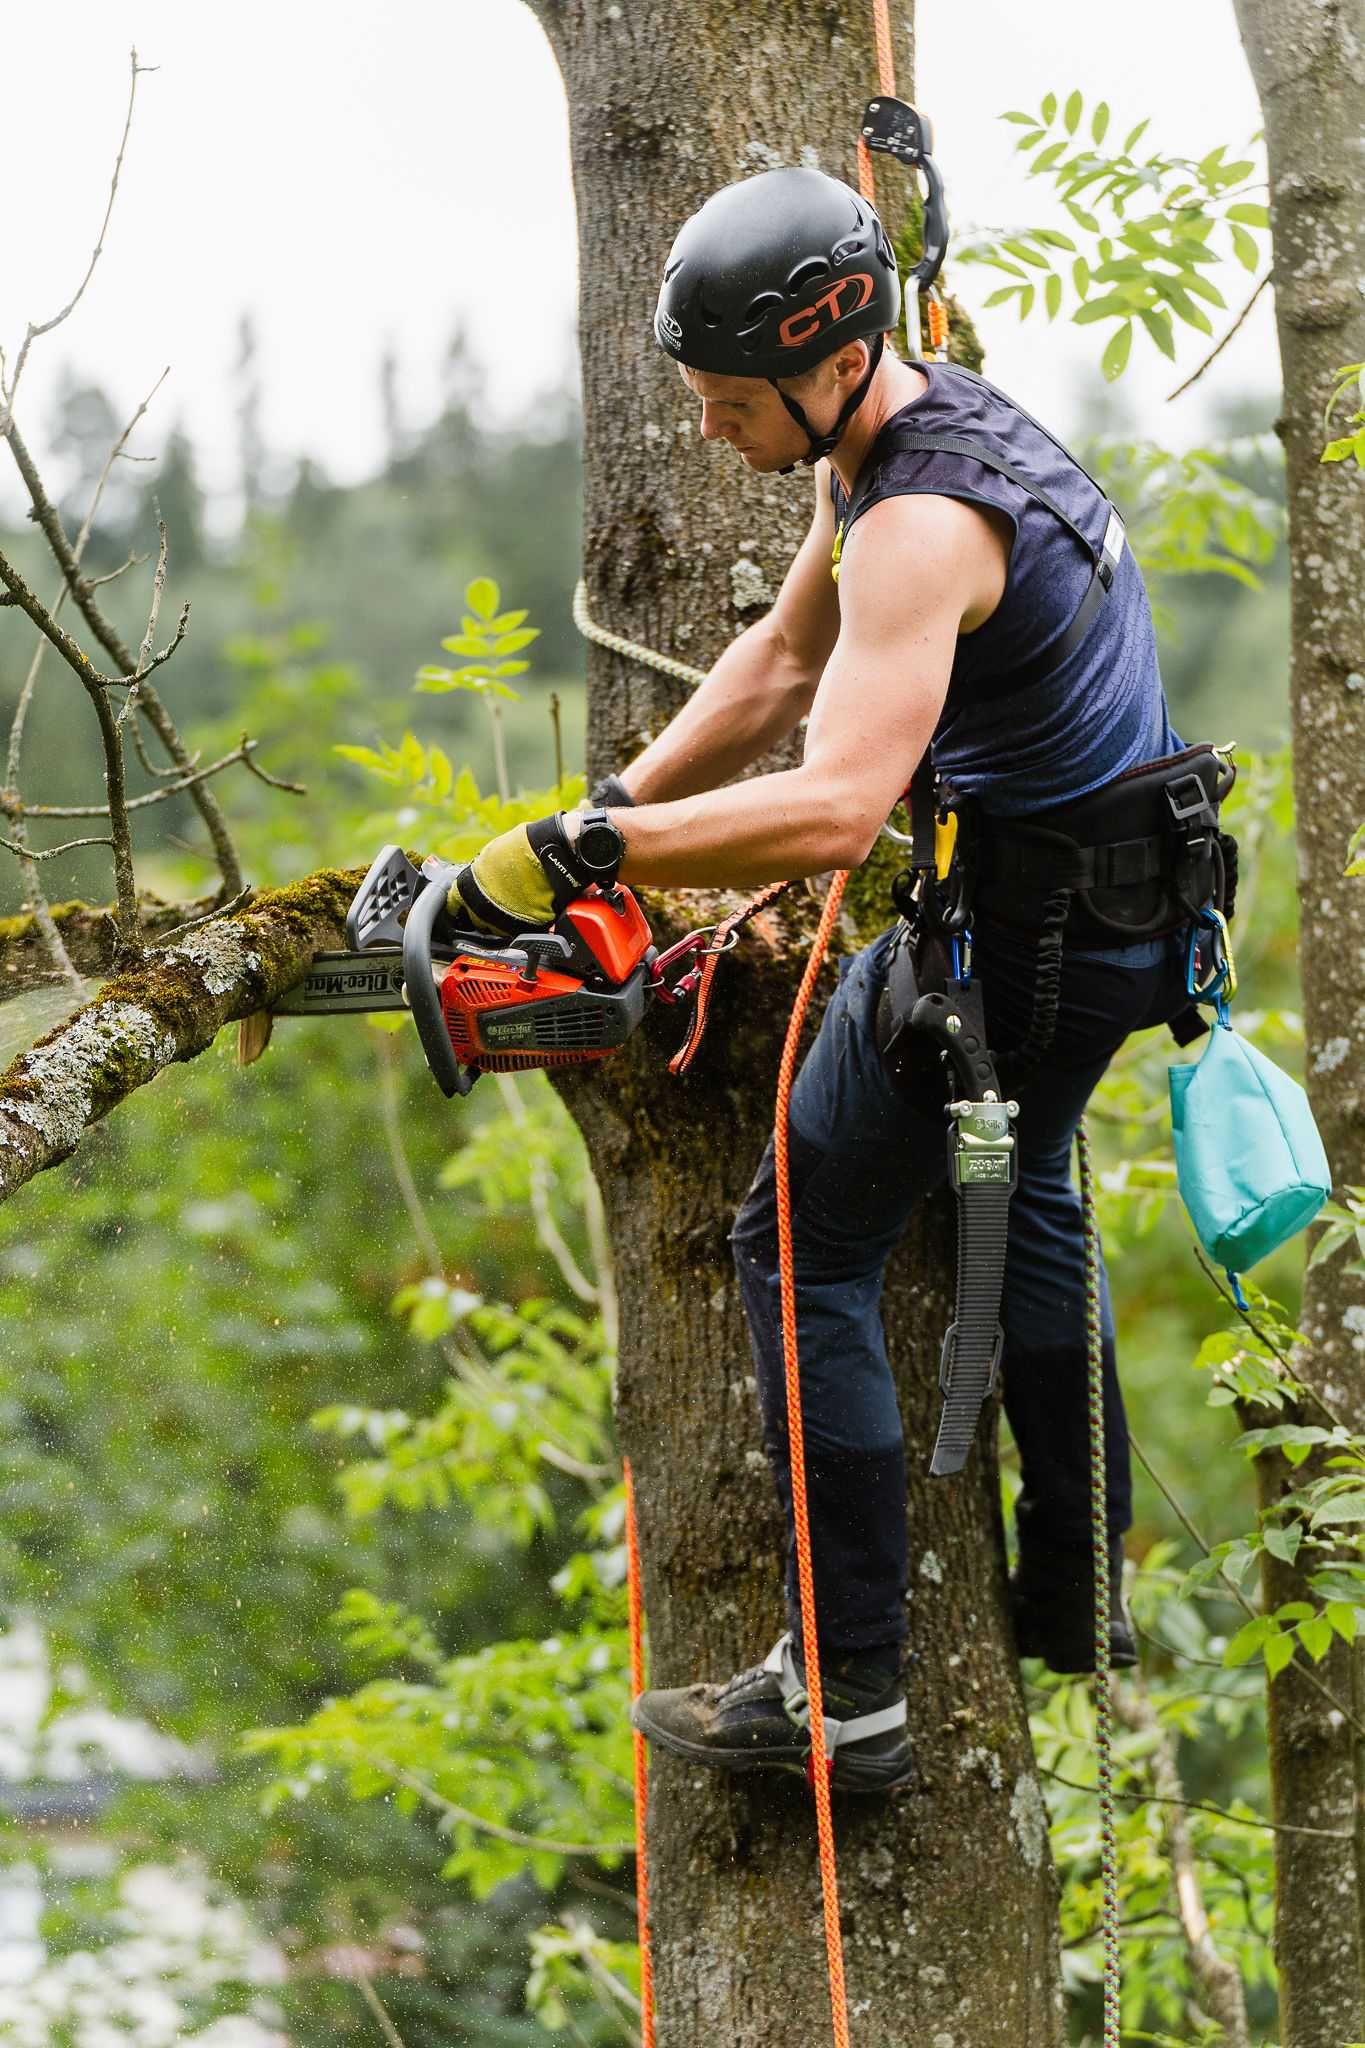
(423, 991)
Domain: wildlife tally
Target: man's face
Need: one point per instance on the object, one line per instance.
(747, 412)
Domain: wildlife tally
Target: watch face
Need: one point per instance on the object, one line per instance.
(600, 844)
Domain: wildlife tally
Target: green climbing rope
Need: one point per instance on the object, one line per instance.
(1099, 1528)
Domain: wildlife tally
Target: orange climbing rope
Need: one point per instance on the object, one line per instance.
(819, 1762)
(637, 1686)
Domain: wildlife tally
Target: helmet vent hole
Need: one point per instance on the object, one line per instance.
(842, 251)
(708, 316)
(806, 273)
(671, 270)
(764, 303)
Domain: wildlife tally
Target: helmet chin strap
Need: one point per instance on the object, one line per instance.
(825, 444)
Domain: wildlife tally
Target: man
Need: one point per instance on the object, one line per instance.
(987, 611)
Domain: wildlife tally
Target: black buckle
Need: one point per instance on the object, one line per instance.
(1189, 802)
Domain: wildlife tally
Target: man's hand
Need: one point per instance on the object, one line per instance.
(524, 877)
(505, 888)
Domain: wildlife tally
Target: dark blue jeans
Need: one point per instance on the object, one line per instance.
(861, 1158)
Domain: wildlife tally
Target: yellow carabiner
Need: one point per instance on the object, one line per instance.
(836, 552)
(945, 844)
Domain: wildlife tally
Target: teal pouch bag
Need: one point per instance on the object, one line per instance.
(1249, 1162)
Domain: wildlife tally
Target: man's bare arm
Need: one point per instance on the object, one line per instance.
(762, 686)
(915, 567)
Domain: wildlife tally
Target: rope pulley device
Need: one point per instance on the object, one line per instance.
(890, 127)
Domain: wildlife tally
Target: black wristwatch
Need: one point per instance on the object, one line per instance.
(600, 848)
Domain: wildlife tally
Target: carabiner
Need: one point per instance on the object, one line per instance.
(1218, 983)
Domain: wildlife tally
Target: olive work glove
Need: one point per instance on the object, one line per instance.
(521, 879)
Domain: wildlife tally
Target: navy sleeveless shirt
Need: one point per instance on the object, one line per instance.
(1025, 745)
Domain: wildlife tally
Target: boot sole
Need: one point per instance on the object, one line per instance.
(865, 1776)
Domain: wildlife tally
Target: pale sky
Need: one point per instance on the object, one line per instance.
(351, 175)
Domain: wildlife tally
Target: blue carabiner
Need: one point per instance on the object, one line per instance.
(1218, 984)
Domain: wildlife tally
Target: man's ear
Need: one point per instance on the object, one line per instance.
(850, 363)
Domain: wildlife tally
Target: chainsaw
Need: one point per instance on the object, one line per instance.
(558, 996)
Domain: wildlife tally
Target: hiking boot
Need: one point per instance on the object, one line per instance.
(759, 1720)
(1052, 1600)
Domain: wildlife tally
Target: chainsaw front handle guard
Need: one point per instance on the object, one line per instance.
(423, 990)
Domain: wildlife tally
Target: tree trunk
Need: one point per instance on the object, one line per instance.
(1308, 60)
(948, 1897)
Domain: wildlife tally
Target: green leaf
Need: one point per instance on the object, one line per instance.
(1006, 291)
(1046, 158)
(1081, 217)
(1052, 295)
(512, 643)
(1246, 249)
(1026, 254)
(506, 621)
(1072, 115)
(1279, 1651)
(1341, 1508)
(1247, 1641)
(1113, 306)
(466, 643)
(1099, 121)
(482, 597)
(1080, 275)
(1049, 109)
(1283, 1543)
(1027, 295)
(1133, 136)
(1024, 120)
(1316, 1636)
(1342, 1617)
(1158, 325)
(1115, 358)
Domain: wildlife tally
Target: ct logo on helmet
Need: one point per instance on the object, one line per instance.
(831, 305)
(669, 330)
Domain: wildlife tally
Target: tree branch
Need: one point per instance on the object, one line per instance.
(243, 753)
(160, 720)
(169, 1008)
(1219, 1982)
(1214, 353)
(46, 326)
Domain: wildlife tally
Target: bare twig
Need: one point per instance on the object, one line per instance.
(1214, 353)
(1309, 1678)
(160, 720)
(262, 775)
(69, 558)
(144, 661)
(49, 852)
(46, 326)
(133, 562)
(124, 882)
(450, 1811)
(134, 679)
(1219, 1982)
(28, 601)
(149, 766)
(365, 1986)
(1241, 1820)
(207, 916)
(547, 1229)
(242, 753)
(398, 1157)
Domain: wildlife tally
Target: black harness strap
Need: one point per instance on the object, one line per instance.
(1105, 558)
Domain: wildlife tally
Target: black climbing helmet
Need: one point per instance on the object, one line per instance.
(771, 275)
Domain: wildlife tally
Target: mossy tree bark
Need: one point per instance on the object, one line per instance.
(949, 1897)
(1308, 61)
